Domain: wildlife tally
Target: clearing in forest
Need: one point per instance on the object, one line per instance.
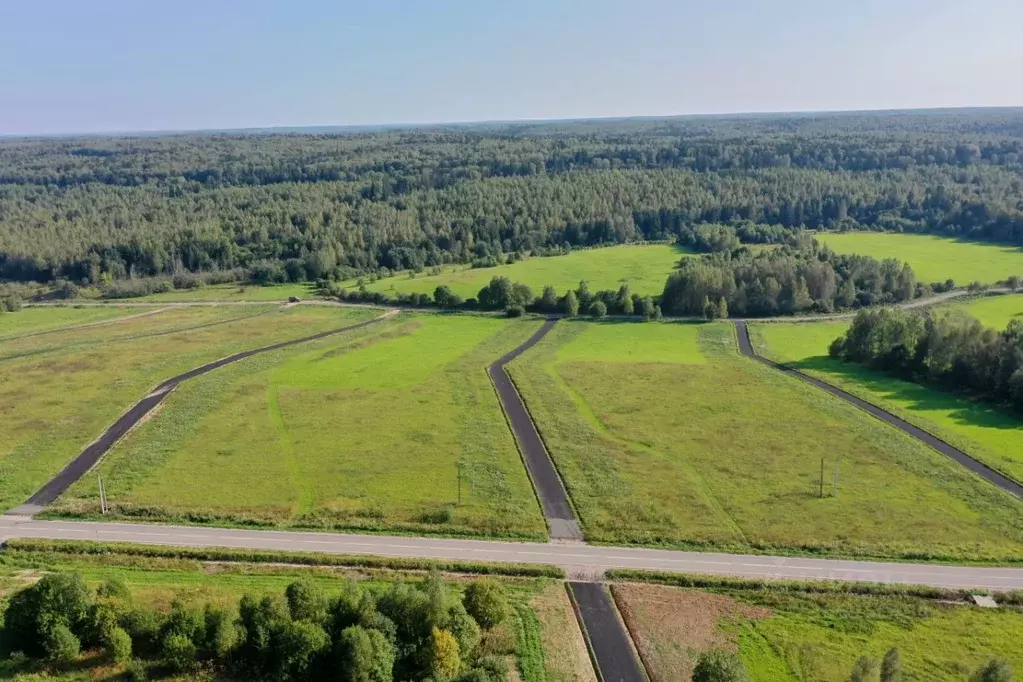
(685, 443)
(933, 259)
(361, 431)
(792, 635)
(644, 267)
(978, 429)
(60, 390)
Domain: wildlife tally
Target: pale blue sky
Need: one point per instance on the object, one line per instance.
(126, 65)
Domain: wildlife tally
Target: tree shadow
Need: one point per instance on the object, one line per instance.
(913, 396)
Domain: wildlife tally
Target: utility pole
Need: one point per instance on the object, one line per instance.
(102, 495)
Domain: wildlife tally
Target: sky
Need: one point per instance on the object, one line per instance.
(68, 66)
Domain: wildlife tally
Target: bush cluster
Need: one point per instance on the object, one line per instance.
(410, 631)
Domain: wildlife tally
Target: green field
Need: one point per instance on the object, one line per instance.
(60, 390)
(992, 436)
(934, 259)
(236, 292)
(644, 268)
(995, 311)
(533, 639)
(363, 431)
(42, 320)
(799, 637)
(695, 446)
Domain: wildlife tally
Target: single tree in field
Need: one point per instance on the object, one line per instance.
(719, 666)
(570, 306)
(891, 666)
(995, 671)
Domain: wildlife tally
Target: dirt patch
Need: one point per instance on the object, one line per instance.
(564, 648)
(672, 626)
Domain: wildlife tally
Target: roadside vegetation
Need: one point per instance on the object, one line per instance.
(395, 427)
(693, 446)
(60, 390)
(776, 634)
(70, 616)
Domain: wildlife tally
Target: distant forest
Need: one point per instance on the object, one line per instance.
(334, 206)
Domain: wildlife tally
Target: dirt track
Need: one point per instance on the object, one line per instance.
(610, 643)
(88, 458)
(546, 481)
(982, 470)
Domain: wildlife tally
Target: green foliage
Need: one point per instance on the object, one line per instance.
(864, 671)
(118, 645)
(719, 666)
(444, 659)
(994, 671)
(365, 655)
(298, 644)
(891, 666)
(486, 602)
(44, 614)
(136, 671)
(598, 310)
(178, 652)
(306, 601)
(570, 305)
(60, 644)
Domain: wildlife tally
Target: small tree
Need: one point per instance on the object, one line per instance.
(444, 297)
(719, 666)
(646, 308)
(625, 300)
(1013, 282)
(863, 670)
(891, 666)
(598, 310)
(995, 671)
(515, 311)
(306, 601)
(658, 315)
(570, 306)
(486, 602)
(118, 646)
(178, 652)
(710, 310)
(298, 644)
(57, 599)
(722, 311)
(444, 657)
(364, 655)
(61, 645)
(548, 302)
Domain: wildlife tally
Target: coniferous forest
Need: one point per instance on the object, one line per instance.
(338, 204)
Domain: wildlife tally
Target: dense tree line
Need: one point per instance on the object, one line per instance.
(411, 631)
(949, 349)
(339, 204)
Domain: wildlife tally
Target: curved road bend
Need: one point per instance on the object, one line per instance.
(546, 481)
(576, 559)
(95, 450)
(609, 641)
(982, 470)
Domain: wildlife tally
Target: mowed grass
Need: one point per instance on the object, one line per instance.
(644, 267)
(236, 292)
(783, 636)
(40, 320)
(988, 434)
(995, 311)
(709, 449)
(59, 391)
(361, 431)
(934, 259)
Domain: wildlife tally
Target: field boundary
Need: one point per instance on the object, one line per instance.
(984, 471)
(93, 452)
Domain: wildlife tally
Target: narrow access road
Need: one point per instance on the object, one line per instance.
(88, 458)
(546, 481)
(982, 470)
(575, 559)
(609, 641)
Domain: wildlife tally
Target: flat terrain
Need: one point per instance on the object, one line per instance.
(814, 637)
(43, 320)
(644, 267)
(695, 446)
(987, 434)
(58, 391)
(364, 430)
(235, 292)
(995, 311)
(934, 259)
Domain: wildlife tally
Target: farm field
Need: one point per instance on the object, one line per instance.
(995, 311)
(793, 636)
(644, 267)
(363, 431)
(992, 436)
(59, 391)
(695, 446)
(235, 292)
(48, 319)
(933, 259)
(539, 639)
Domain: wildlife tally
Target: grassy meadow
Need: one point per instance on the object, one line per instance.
(665, 436)
(934, 259)
(359, 431)
(236, 292)
(990, 435)
(44, 320)
(786, 636)
(58, 391)
(995, 311)
(644, 267)
(540, 639)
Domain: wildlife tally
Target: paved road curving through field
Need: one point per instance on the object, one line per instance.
(609, 641)
(546, 481)
(982, 470)
(81, 464)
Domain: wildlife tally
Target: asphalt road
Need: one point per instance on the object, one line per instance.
(546, 481)
(95, 450)
(584, 561)
(609, 640)
(982, 470)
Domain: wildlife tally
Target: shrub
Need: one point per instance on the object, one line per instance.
(306, 601)
(598, 310)
(298, 644)
(486, 602)
(178, 652)
(222, 635)
(118, 645)
(443, 654)
(61, 645)
(719, 666)
(365, 654)
(891, 666)
(143, 626)
(466, 632)
(995, 671)
(136, 671)
(57, 599)
(515, 311)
